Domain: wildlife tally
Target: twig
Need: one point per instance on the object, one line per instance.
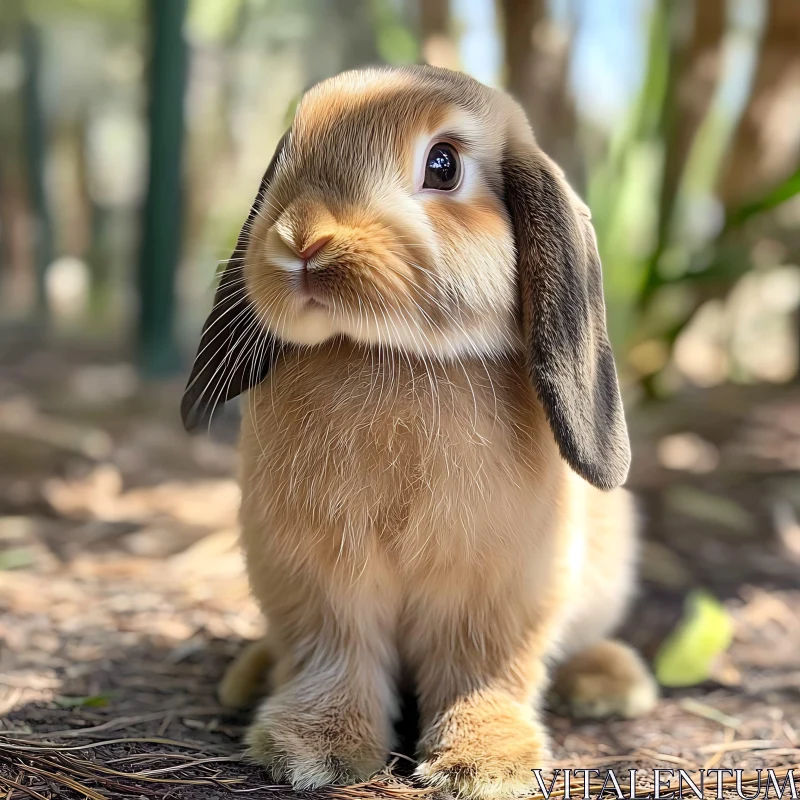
(693, 706)
(681, 762)
(65, 780)
(112, 724)
(14, 786)
(718, 750)
(742, 744)
(38, 746)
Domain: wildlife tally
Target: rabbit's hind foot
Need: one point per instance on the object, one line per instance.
(604, 680)
(245, 680)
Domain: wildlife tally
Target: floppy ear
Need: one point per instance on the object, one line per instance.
(236, 352)
(563, 318)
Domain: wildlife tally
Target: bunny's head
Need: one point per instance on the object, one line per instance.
(412, 209)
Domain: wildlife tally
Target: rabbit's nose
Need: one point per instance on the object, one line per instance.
(309, 250)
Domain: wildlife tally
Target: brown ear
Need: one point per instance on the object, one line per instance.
(236, 352)
(563, 318)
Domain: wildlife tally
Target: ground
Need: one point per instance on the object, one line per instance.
(122, 595)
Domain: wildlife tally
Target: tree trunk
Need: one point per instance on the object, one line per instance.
(161, 235)
(439, 45)
(766, 144)
(16, 251)
(537, 56)
(698, 61)
(344, 38)
(36, 156)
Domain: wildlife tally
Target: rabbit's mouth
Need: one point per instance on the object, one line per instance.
(312, 303)
(309, 288)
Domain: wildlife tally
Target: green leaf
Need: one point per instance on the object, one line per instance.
(776, 196)
(92, 701)
(687, 655)
(15, 558)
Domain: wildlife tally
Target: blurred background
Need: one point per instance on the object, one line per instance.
(133, 136)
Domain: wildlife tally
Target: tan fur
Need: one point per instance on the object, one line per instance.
(404, 500)
(607, 678)
(247, 676)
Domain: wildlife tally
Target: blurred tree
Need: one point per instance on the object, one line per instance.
(94, 240)
(696, 32)
(344, 36)
(161, 239)
(396, 41)
(762, 165)
(766, 145)
(216, 31)
(439, 44)
(15, 253)
(622, 185)
(537, 56)
(357, 22)
(36, 154)
(682, 272)
(694, 76)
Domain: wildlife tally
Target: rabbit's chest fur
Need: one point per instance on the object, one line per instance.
(349, 457)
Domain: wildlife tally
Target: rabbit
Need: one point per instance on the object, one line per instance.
(432, 443)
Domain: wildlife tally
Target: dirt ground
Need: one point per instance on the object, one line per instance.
(122, 594)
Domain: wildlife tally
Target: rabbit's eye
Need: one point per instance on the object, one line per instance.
(442, 168)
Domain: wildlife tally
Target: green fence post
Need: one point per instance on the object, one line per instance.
(161, 229)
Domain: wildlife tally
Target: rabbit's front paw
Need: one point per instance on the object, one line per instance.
(484, 757)
(309, 748)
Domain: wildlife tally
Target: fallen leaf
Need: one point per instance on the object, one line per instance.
(15, 558)
(687, 655)
(92, 701)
